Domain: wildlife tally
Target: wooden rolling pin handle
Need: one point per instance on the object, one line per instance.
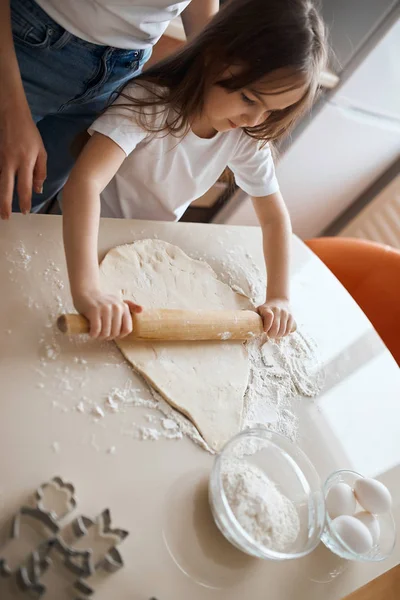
(170, 325)
(73, 324)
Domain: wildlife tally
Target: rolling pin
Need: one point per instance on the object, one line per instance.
(180, 325)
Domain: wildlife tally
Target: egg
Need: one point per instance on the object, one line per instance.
(353, 533)
(371, 522)
(372, 495)
(340, 500)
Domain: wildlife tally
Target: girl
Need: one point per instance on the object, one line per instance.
(219, 102)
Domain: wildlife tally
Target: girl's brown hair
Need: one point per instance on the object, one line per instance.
(279, 41)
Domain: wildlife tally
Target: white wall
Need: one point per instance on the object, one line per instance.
(349, 23)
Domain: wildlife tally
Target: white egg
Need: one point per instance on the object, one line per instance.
(353, 533)
(340, 500)
(373, 495)
(371, 522)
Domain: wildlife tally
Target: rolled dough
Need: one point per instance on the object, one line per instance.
(206, 381)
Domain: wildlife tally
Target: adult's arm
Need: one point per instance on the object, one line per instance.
(196, 16)
(22, 153)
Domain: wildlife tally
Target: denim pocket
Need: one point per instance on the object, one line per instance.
(28, 29)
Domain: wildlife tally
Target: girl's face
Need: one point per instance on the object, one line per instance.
(225, 110)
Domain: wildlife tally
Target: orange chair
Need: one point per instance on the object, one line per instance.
(371, 274)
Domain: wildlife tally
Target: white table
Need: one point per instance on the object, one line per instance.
(156, 490)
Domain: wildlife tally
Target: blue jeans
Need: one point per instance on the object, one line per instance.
(67, 82)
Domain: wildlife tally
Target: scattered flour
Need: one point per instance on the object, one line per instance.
(60, 406)
(279, 371)
(149, 433)
(184, 426)
(265, 514)
(154, 434)
(51, 352)
(128, 396)
(169, 424)
(55, 447)
(49, 274)
(98, 412)
(151, 418)
(20, 258)
(112, 404)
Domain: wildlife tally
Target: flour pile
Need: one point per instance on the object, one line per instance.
(280, 371)
(268, 516)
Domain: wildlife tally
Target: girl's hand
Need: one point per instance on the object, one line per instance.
(109, 317)
(277, 318)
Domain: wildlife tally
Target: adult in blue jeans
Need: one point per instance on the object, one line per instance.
(59, 63)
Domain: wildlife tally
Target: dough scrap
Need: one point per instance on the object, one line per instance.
(206, 381)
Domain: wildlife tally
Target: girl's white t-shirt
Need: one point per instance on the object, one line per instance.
(130, 24)
(162, 174)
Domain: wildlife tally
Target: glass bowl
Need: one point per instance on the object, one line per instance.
(293, 475)
(387, 538)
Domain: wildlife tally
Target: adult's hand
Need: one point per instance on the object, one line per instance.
(22, 158)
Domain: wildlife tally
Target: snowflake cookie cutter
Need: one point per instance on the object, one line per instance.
(111, 563)
(83, 563)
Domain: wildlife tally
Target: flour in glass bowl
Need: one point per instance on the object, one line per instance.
(266, 515)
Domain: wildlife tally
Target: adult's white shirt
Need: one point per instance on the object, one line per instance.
(131, 24)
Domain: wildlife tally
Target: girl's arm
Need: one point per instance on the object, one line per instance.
(99, 161)
(277, 239)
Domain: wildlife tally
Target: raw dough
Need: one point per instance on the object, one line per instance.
(204, 380)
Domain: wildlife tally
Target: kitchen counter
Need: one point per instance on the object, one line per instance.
(157, 489)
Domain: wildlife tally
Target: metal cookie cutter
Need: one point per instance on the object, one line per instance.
(110, 564)
(56, 498)
(52, 502)
(28, 576)
(81, 558)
